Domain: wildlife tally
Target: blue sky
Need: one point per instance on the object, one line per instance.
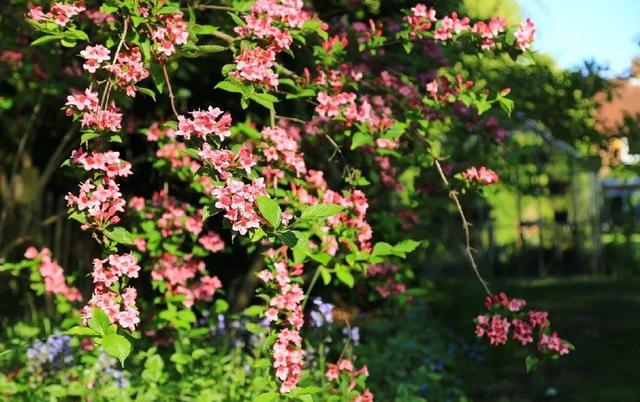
(607, 31)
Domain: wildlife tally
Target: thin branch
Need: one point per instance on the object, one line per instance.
(223, 36)
(210, 7)
(294, 119)
(453, 194)
(107, 88)
(171, 97)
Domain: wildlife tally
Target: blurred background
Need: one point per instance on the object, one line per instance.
(561, 229)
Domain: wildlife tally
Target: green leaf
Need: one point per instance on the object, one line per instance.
(264, 99)
(108, 9)
(116, 346)
(289, 238)
(120, 235)
(254, 311)
(81, 331)
(99, 321)
(531, 363)
(320, 211)
(239, 21)
(344, 275)
(254, 328)
(45, 39)
(67, 43)
(326, 275)
(203, 29)
(75, 34)
(266, 397)
(482, 106)
(406, 246)
(305, 93)
(360, 139)
(212, 48)
(525, 59)
(169, 10)
(270, 210)
(148, 92)
(86, 137)
(230, 87)
(382, 249)
(506, 104)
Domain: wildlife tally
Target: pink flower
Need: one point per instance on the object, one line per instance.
(35, 13)
(498, 331)
(52, 275)
(525, 34)
(483, 175)
(265, 275)
(254, 65)
(212, 242)
(81, 101)
(538, 318)
(31, 253)
(94, 56)
(204, 123)
(128, 69)
(553, 343)
(522, 332)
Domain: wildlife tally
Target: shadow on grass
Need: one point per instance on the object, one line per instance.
(600, 316)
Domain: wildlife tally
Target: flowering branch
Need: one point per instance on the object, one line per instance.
(453, 194)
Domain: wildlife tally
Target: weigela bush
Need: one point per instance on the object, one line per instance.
(296, 191)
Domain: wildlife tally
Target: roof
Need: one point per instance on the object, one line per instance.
(625, 101)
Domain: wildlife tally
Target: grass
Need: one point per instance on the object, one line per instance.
(600, 316)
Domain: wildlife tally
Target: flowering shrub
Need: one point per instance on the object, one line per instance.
(506, 315)
(294, 192)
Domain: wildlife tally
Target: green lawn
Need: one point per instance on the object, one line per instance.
(601, 317)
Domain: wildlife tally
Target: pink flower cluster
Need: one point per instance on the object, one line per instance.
(450, 26)
(128, 69)
(423, 19)
(288, 12)
(224, 160)
(94, 56)
(345, 367)
(343, 104)
(120, 308)
(390, 286)
(270, 20)
(98, 17)
(525, 34)
(254, 65)
(204, 123)
(483, 175)
(507, 314)
(173, 152)
(101, 199)
(59, 13)
(107, 162)
(444, 91)
(93, 116)
(179, 276)
(489, 31)
(238, 200)
(282, 145)
(52, 274)
(172, 32)
(286, 311)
